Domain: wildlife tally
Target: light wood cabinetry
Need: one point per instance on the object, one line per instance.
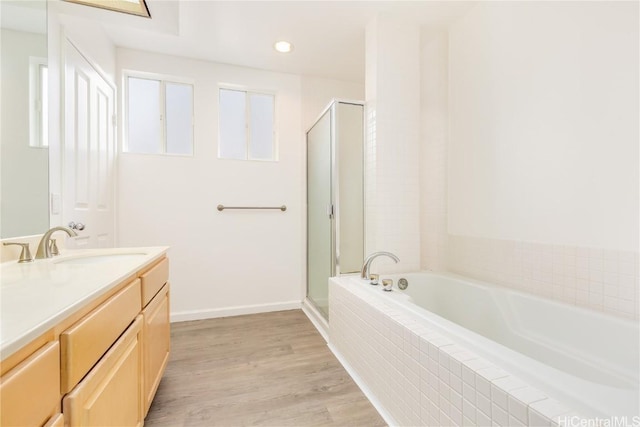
(84, 343)
(56, 421)
(111, 394)
(157, 334)
(30, 392)
(100, 366)
(154, 279)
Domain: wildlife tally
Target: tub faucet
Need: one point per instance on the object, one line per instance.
(44, 248)
(367, 262)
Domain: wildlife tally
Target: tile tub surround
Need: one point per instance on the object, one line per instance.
(417, 376)
(594, 278)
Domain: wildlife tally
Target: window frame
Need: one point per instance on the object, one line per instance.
(163, 79)
(38, 134)
(251, 91)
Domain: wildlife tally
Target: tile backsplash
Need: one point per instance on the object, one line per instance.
(598, 279)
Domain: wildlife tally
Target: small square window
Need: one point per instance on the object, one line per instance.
(246, 125)
(144, 116)
(159, 116)
(179, 118)
(233, 124)
(261, 127)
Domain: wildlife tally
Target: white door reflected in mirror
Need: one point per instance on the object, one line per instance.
(89, 154)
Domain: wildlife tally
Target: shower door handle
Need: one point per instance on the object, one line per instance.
(330, 210)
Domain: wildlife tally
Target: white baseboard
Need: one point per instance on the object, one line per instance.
(386, 416)
(183, 316)
(316, 318)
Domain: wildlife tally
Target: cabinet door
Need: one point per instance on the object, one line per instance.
(111, 393)
(30, 392)
(56, 421)
(156, 338)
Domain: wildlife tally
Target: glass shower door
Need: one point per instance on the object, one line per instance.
(319, 221)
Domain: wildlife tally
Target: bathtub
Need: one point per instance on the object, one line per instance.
(585, 360)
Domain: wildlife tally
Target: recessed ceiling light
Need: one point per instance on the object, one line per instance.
(283, 46)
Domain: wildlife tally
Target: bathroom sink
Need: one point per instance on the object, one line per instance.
(99, 258)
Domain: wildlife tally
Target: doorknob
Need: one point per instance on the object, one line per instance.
(76, 226)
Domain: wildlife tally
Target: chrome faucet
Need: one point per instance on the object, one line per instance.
(367, 262)
(44, 248)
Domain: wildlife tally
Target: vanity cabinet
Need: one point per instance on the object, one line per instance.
(153, 280)
(156, 343)
(84, 343)
(111, 394)
(56, 421)
(30, 392)
(100, 366)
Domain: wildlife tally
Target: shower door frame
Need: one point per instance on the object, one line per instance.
(334, 195)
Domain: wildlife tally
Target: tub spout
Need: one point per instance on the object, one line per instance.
(367, 262)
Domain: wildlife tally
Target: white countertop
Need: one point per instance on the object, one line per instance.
(36, 296)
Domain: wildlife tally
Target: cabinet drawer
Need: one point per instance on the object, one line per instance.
(153, 280)
(30, 392)
(111, 394)
(84, 343)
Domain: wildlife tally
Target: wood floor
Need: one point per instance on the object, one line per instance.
(271, 369)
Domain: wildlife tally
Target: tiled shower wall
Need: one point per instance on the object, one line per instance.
(392, 152)
(594, 278)
(602, 280)
(433, 151)
(371, 219)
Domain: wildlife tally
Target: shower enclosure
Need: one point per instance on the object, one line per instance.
(335, 198)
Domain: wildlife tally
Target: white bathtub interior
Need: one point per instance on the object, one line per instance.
(583, 358)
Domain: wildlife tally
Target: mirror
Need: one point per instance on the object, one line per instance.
(24, 154)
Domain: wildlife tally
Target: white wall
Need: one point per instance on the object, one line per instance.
(544, 123)
(318, 92)
(229, 262)
(541, 151)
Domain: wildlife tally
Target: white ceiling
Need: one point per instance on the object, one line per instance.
(328, 36)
